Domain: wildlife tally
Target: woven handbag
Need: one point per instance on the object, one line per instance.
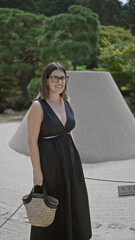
(40, 208)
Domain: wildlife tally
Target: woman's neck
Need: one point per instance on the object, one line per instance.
(55, 98)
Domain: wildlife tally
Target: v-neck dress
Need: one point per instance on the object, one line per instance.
(63, 175)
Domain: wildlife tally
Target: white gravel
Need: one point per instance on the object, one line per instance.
(116, 215)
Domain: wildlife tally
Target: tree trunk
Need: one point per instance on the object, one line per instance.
(74, 64)
(24, 80)
(92, 65)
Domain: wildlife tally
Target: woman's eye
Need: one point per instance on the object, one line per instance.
(55, 78)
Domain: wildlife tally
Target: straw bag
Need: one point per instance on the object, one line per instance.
(40, 208)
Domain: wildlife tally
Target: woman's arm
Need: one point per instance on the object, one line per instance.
(34, 120)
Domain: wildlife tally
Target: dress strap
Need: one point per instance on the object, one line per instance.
(69, 107)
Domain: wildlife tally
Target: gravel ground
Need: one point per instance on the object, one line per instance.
(113, 217)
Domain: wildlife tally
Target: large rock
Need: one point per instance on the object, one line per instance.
(105, 126)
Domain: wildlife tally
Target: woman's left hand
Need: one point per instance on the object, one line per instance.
(37, 178)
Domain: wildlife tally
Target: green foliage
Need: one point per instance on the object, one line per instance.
(115, 35)
(47, 7)
(120, 62)
(130, 8)
(111, 12)
(129, 65)
(54, 7)
(70, 36)
(114, 12)
(19, 51)
(117, 55)
(33, 86)
(29, 5)
(29, 41)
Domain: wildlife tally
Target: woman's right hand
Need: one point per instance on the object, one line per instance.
(37, 178)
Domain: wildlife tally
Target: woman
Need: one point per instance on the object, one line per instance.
(55, 159)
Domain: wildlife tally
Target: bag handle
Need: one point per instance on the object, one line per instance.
(51, 202)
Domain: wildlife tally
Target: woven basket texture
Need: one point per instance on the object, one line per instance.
(38, 213)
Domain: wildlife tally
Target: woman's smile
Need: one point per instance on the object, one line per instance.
(59, 86)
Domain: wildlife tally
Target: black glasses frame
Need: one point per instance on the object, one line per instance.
(56, 79)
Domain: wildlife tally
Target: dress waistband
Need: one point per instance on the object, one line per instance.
(55, 136)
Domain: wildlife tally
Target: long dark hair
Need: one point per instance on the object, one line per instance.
(49, 68)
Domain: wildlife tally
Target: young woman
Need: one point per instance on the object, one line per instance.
(55, 159)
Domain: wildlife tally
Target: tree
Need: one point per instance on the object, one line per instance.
(120, 61)
(111, 12)
(47, 7)
(55, 7)
(19, 51)
(115, 35)
(130, 7)
(28, 6)
(117, 55)
(72, 37)
(93, 33)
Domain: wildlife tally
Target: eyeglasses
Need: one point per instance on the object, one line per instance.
(56, 79)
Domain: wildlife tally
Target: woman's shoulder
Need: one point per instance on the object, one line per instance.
(36, 103)
(36, 106)
(35, 112)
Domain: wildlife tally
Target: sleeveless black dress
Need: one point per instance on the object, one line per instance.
(63, 176)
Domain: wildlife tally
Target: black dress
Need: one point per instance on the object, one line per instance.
(63, 176)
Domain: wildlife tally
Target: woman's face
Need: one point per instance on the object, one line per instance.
(55, 84)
